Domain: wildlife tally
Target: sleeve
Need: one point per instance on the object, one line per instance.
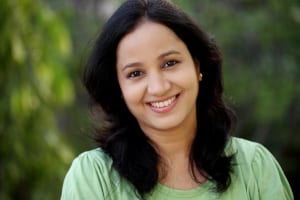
(270, 180)
(84, 180)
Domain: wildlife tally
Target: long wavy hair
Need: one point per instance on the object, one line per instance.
(120, 135)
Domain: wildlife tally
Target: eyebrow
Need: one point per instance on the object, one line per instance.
(159, 57)
(168, 53)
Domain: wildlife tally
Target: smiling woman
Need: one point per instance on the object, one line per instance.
(162, 93)
(157, 77)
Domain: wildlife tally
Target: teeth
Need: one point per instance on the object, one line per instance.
(163, 103)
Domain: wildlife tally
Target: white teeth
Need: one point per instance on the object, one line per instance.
(163, 103)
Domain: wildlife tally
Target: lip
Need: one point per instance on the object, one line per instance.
(165, 105)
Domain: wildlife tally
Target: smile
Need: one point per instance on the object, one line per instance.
(162, 104)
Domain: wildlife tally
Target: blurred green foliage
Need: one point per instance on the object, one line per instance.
(34, 84)
(43, 114)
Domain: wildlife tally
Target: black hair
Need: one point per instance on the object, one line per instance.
(121, 137)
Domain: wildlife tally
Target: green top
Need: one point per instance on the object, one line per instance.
(257, 176)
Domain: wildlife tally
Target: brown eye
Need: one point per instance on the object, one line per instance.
(170, 63)
(134, 74)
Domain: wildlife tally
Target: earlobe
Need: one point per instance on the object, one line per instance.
(200, 77)
(197, 65)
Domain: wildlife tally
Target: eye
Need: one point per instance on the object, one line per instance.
(169, 63)
(134, 74)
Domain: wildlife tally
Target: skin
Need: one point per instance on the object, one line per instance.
(159, 81)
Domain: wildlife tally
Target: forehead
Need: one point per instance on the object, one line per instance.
(148, 28)
(149, 37)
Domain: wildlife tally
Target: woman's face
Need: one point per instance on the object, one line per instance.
(158, 78)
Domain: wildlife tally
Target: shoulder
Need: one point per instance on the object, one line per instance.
(90, 176)
(245, 150)
(253, 155)
(257, 169)
(95, 162)
(95, 158)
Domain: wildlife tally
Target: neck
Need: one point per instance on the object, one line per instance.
(175, 169)
(174, 148)
(175, 142)
(173, 145)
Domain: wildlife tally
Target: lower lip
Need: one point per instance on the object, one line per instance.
(165, 109)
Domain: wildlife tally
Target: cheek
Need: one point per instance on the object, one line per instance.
(128, 97)
(131, 93)
(188, 78)
(133, 98)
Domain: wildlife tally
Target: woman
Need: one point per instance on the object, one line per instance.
(157, 78)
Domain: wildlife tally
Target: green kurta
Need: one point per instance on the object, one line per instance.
(257, 176)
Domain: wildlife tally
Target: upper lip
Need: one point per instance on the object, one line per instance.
(162, 100)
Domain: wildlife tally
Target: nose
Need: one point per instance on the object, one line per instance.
(158, 84)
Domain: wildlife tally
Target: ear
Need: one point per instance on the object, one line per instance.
(200, 76)
(198, 71)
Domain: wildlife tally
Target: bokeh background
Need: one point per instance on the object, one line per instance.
(44, 116)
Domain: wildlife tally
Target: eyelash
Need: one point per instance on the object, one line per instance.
(170, 63)
(167, 64)
(134, 74)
